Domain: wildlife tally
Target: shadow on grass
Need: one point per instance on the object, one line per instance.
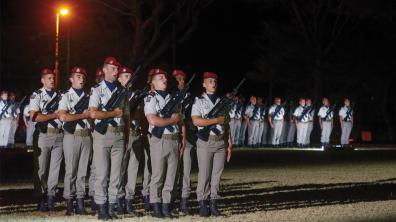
(240, 198)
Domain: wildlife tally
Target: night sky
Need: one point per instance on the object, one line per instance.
(234, 38)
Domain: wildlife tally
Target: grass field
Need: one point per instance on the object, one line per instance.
(261, 185)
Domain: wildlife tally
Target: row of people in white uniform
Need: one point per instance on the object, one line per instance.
(257, 125)
(9, 118)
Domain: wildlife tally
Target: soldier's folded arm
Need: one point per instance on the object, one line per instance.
(39, 117)
(157, 121)
(199, 121)
(67, 117)
(95, 113)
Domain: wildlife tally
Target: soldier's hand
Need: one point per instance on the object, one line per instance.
(175, 117)
(220, 120)
(62, 117)
(229, 152)
(86, 114)
(118, 112)
(182, 147)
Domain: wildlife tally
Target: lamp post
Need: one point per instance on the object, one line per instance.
(60, 12)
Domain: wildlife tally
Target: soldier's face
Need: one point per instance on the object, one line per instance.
(278, 101)
(111, 72)
(259, 101)
(253, 100)
(325, 101)
(48, 81)
(160, 82)
(180, 81)
(210, 85)
(12, 97)
(123, 78)
(99, 79)
(347, 102)
(302, 102)
(4, 96)
(308, 102)
(77, 80)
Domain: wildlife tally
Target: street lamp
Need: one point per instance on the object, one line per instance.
(61, 12)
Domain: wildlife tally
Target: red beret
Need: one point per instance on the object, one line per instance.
(178, 72)
(46, 71)
(277, 97)
(3, 92)
(156, 71)
(99, 72)
(79, 70)
(124, 70)
(112, 61)
(207, 75)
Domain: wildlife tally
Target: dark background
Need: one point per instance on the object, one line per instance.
(348, 50)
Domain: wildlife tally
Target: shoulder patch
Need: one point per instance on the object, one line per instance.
(148, 98)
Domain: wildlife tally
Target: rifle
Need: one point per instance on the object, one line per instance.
(5, 108)
(137, 97)
(348, 114)
(79, 108)
(114, 102)
(17, 105)
(329, 111)
(170, 108)
(306, 110)
(51, 107)
(216, 111)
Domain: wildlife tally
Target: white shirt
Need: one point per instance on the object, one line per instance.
(14, 113)
(279, 115)
(251, 114)
(7, 113)
(298, 112)
(311, 114)
(153, 104)
(201, 107)
(323, 113)
(67, 103)
(262, 113)
(99, 97)
(26, 111)
(38, 102)
(343, 113)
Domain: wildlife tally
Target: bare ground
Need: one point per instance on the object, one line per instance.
(264, 185)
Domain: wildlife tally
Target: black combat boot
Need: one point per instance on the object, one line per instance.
(102, 212)
(80, 209)
(121, 205)
(129, 207)
(166, 212)
(112, 211)
(157, 210)
(184, 206)
(213, 208)
(69, 207)
(203, 208)
(94, 207)
(42, 204)
(147, 205)
(50, 203)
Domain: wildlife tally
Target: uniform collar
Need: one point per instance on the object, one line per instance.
(78, 92)
(110, 85)
(162, 93)
(213, 98)
(50, 94)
